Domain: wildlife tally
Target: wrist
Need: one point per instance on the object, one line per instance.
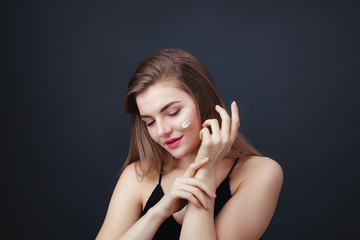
(156, 213)
(208, 169)
(208, 175)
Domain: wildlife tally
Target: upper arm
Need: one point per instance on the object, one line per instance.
(124, 207)
(249, 211)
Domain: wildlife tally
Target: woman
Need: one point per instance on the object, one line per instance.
(189, 173)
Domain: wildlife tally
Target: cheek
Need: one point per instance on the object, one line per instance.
(195, 124)
(152, 133)
(196, 118)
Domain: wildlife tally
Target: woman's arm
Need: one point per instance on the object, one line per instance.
(249, 211)
(247, 214)
(122, 218)
(199, 224)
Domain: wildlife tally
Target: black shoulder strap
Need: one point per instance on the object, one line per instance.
(160, 175)
(159, 179)
(233, 166)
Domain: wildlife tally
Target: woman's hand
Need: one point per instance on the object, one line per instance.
(217, 144)
(186, 189)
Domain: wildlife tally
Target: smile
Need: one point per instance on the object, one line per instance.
(174, 142)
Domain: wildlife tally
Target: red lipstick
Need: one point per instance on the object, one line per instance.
(174, 142)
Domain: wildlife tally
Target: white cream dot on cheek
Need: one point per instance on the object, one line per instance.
(185, 124)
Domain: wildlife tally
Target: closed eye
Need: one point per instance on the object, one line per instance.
(149, 123)
(174, 113)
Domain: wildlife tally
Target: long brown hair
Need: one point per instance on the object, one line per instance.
(191, 76)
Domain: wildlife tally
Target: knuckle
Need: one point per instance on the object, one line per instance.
(197, 181)
(188, 195)
(212, 120)
(198, 192)
(193, 166)
(206, 143)
(216, 140)
(178, 181)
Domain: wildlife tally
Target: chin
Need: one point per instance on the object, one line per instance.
(178, 153)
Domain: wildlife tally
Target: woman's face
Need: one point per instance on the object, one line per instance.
(164, 107)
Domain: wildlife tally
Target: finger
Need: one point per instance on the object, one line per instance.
(205, 135)
(190, 172)
(235, 121)
(214, 124)
(225, 120)
(188, 196)
(195, 192)
(195, 182)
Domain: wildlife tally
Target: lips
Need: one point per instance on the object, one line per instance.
(174, 142)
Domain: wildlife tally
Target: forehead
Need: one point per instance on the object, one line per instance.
(160, 94)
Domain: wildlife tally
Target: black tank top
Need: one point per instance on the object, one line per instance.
(170, 228)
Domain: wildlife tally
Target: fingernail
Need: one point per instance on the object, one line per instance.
(198, 205)
(235, 104)
(213, 194)
(206, 159)
(207, 205)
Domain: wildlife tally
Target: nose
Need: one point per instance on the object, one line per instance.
(163, 129)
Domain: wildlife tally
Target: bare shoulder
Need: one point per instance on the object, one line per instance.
(255, 186)
(261, 165)
(130, 174)
(130, 171)
(260, 170)
(128, 180)
(142, 186)
(126, 203)
(133, 175)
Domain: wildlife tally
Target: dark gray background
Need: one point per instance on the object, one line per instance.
(292, 66)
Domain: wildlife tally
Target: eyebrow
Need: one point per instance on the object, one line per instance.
(162, 109)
